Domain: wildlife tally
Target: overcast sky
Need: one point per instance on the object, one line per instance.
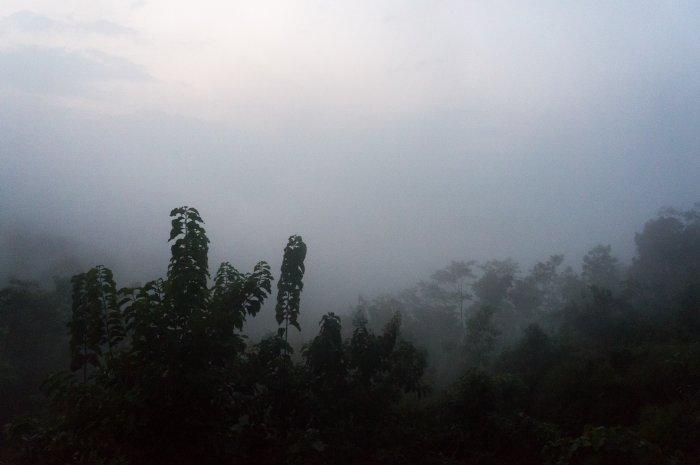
(394, 136)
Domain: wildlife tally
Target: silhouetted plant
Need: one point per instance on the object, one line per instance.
(291, 284)
(157, 361)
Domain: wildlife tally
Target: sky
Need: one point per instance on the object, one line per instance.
(394, 136)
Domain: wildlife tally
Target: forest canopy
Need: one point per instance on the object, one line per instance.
(479, 363)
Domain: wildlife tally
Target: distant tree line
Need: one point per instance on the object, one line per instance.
(479, 363)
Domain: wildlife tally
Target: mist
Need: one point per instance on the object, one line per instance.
(395, 137)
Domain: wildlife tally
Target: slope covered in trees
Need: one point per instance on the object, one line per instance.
(480, 363)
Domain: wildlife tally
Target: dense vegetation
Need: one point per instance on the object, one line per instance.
(480, 363)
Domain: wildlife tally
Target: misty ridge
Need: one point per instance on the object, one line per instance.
(476, 363)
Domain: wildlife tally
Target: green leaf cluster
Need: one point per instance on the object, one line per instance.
(158, 364)
(291, 283)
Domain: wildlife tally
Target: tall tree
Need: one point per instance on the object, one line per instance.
(291, 284)
(449, 286)
(493, 286)
(601, 268)
(158, 361)
(188, 271)
(97, 323)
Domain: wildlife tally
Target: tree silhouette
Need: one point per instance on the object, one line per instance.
(291, 284)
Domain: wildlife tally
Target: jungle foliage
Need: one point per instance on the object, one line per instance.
(480, 363)
(162, 373)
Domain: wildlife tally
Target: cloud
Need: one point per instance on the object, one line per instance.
(30, 22)
(449, 132)
(105, 27)
(59, 71)
(33, 23)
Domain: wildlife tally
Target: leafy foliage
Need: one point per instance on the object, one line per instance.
(97, 325)
(481, 336)
(449, 286)
(601, 445)
(600, 268)
(290, 284)
(548, 366)
(33, 342)
(156, 361)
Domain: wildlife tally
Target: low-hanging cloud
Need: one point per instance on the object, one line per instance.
(57, 71)
(29, 22)
(393, 136)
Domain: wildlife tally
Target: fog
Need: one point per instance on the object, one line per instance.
(393, 136)
(479, 221)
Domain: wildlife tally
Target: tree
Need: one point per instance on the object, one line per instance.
(186, 286)
(601, 268)
(97, 326)
(355, 382)
(539, 293)
(33, 343)
(668, 254)
(290, 284)
(495, 282)
(324, 356)
(158, 362)
(449, 286)
(481, 336)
